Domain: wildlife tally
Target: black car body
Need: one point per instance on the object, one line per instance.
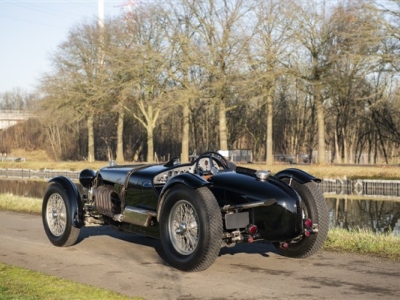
(193, 208)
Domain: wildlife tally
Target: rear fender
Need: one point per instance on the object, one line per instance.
(74, 199)
(190, 180)
(296, 174)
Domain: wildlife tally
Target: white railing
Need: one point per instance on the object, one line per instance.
(37, 174)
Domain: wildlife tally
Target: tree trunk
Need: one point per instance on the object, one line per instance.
(120, 136)
(321, 125)
(149, 122)
(337, 149)
(223, 137)
(269, 146)
(185, 133)
(150, 144)
(90, 124)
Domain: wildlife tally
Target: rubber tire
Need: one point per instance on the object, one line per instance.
(316, 209)
(210, 226)
(70, 234)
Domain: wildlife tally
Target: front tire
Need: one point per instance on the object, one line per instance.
(190, 228)
(56, 216)
(314, 207)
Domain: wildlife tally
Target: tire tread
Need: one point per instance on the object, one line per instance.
(204, 201)
(306, 248)
(215, 222)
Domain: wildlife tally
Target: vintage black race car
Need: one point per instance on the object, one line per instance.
(194, 208)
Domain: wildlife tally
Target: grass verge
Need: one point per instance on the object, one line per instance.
(22, 284)
(363, 242)
(22, 204)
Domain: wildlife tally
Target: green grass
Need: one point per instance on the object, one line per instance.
(17, 283)
(18, 203)
(363, 242)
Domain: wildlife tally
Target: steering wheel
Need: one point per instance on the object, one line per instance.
(216, 163)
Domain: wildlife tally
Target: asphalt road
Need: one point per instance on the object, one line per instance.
(133, 265)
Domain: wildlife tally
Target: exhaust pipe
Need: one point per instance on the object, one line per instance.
(136, 216)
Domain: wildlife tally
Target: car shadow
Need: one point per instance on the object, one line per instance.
(109, 230)
(262, 248)
(135, 238)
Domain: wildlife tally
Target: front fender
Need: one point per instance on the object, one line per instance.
(74, 199)
(190, 180)
(299, 175)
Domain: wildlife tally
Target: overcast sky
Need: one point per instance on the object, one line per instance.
(32, 29)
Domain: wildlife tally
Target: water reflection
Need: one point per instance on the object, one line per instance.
(376, 215)
(26, 188)
(381, 215)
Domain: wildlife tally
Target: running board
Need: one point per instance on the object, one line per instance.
(136, 215)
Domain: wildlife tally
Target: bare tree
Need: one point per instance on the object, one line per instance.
(314, 37)
(267, 57)
(144, 64)
(219, 27)
(77, 80)
(269, 76)
(16, 99)
(182, 68)
(355, 55)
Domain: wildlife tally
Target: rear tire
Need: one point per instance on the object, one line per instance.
(190, 228)
(314, 207)
(56, 216)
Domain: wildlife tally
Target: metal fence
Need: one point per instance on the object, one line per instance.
(37, 174)
(361, 187)
(7, 158)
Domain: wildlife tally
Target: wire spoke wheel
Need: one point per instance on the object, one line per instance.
(190, 228)
(183, 227)
(56, 215)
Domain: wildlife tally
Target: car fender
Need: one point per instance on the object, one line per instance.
(74, 199)
(299, 175)
(192, 181)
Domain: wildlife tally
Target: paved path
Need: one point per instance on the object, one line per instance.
(132, 265)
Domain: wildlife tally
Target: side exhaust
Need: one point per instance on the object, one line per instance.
(137, 216)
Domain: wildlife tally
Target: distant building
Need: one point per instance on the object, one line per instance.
(9, 118)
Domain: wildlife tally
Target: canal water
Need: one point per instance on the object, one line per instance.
(379, 214)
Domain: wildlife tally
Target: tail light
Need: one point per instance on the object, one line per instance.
(284, 245)
(308, 223)
(251, 229)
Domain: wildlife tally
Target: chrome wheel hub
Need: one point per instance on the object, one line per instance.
(182, 228)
